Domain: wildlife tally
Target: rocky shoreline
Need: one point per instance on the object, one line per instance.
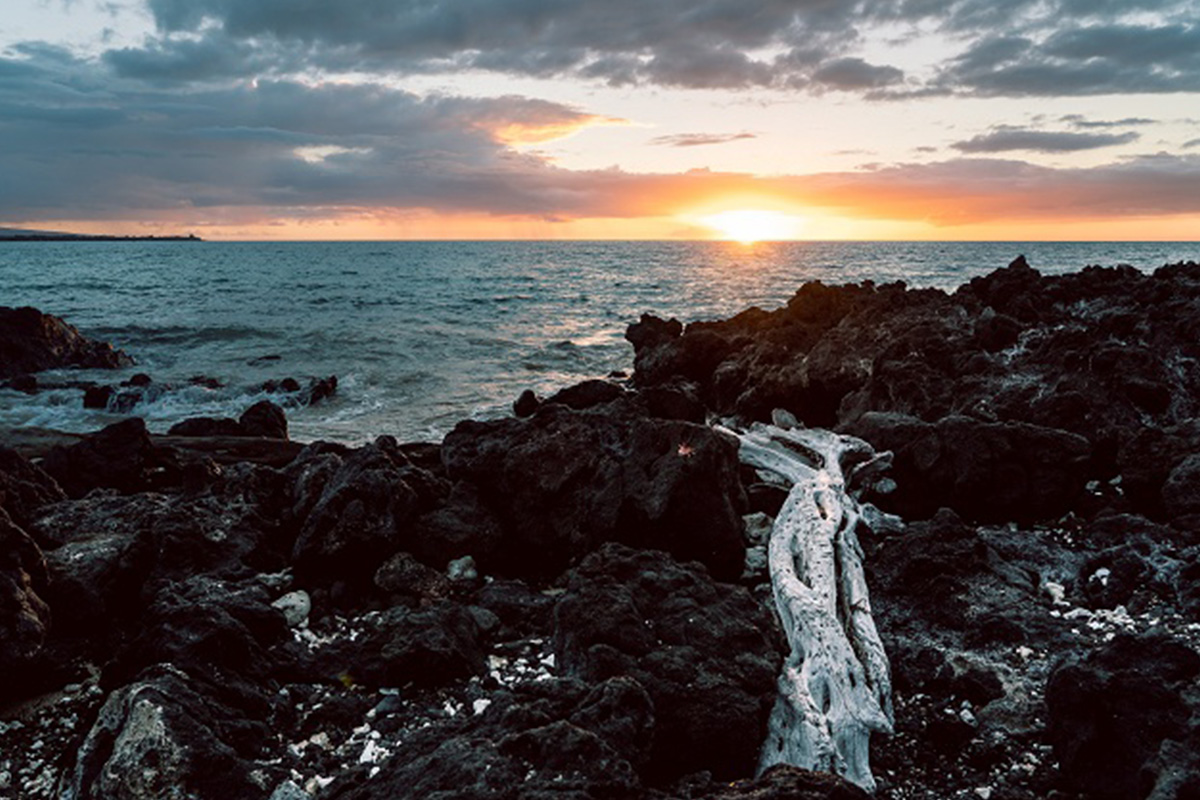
(574, 602)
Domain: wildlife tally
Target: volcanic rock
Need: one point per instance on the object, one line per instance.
(31, 341)
(24, 615)
(708, 654)
(121, 457)
(264, 418)
(563, 482)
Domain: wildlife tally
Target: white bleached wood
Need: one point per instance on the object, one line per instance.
(835, 687)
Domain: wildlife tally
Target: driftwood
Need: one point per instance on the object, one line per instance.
(835, 688)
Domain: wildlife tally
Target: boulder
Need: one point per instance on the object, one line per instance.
(586, 394)
(564, 481)
(708, 655)
(31, 341)
(266, 419)
(1111, 714)
(986, 471)
(24, 487)
(353, 513)
(164, 736)
(208, 426)
(24, 615)
(526, 404)
(120, 456)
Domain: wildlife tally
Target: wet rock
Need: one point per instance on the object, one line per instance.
(708, 654)
(318, 390)
(120, 456)
(26, 384)
(97, 397)
(24, 615)
(24, 487)
(563, 482)
(586, 394)
(264, 418)
(984, 471)
(31, 341)
(208, 426)
(1110, 713)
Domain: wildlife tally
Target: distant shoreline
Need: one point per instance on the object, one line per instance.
(50, 237)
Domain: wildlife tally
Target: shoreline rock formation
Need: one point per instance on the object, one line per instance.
(576, 602)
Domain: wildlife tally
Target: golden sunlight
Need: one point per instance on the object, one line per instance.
(754, 225)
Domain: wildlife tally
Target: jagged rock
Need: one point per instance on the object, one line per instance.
(121, 457)
(708, 654)
(586, 394)
(24, 487)
(163, 736)
(354, 512)
(404, 575)
(522, 610)
(785, 782)
(207, 426)
(97, 397)
(462, 526)
(266, 419)
(31, 341)
(432, 646)
(24, 615)
(984, 471)
(552, 738)
(1110, 713)
(563, 482)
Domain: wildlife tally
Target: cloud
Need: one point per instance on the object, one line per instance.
(1005, 138)
(79, 143)
(698, 139)
(1191, 143)
(1079, 121)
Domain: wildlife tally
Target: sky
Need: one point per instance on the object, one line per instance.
(626, 119)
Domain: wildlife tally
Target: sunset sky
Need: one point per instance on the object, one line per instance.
(389, 119)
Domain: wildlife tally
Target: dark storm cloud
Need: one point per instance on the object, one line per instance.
(698, 139)
(1081, 60)
(1010, 47)
(1004, 139)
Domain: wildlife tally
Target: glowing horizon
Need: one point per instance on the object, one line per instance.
(240, 121)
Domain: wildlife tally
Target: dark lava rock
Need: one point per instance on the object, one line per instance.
(24, 487)
(1181, 491)
(708, 654)
(120, 456)
(26, 384)
(586, 394)
(264, 418)
(522, 610)
(432, 646)
(563, 482)
(24, 615)
(318, 390)
(31, 341)
(784, 782)
(97, 397)
(987, 472)
(208, 426)
(1110, 713)
(353, 512)
(462, 526)
(526, 404)
(403, 575)
(165, 735)
(106, 554)
(549, 739)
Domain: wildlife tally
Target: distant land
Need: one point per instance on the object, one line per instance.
(20, 235)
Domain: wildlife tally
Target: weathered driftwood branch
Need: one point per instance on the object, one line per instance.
(835, 688)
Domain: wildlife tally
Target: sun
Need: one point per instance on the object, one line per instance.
(754, 225)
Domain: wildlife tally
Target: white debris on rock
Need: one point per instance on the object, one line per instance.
(835, 689)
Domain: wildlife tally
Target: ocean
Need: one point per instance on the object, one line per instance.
(423, 334)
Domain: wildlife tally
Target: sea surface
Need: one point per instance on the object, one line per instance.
(424, 334)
